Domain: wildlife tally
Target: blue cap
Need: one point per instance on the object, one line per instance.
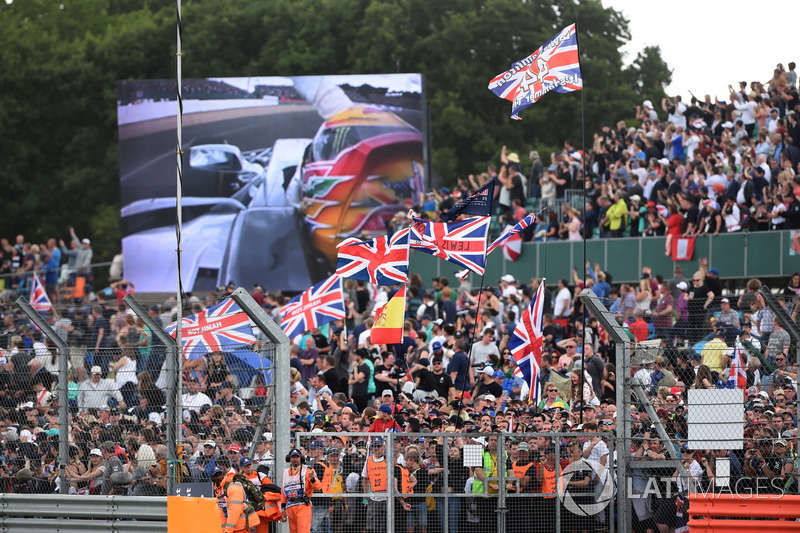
(378, 441)
(714, 271)
(295, 453)
(445, 190)
(436, 346)
(216, 470)
(426, 316)
(244, 461)
(498, 374)
(316, 445)
(385, 409)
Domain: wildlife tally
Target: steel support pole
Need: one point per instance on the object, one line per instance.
(63, 388)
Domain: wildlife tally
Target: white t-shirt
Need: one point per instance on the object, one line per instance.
(600, 449)
(563, 299)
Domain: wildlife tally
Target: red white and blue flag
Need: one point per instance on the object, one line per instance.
(529, 220)
(478, 203)
(219, 328)
(383, 260)
(555, 66)
(39, 299)
(526, 344)
(462, 243)
(738, 376)
(319, 305)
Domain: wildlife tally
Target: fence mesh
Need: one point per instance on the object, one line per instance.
(117, 390)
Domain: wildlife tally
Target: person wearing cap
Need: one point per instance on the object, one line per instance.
(83, 259)
(510, 177)
(235, 513)
(384, 421)
(320, 512)
(247, 469)
(194, 399)
(226, 397)
(375, 480)
(97, 392)
(487, 384)
(299, 483)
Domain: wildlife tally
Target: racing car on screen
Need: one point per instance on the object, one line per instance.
(280, 225)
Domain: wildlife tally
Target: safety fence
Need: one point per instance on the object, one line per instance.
(451, 481)
(37, 512)
(114, 360)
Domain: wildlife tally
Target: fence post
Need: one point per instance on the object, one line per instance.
(172, 368)
(622, 344)
(280, 419)
(787, 323)
(63, 388)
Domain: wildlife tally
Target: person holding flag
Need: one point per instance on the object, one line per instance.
(526, 344)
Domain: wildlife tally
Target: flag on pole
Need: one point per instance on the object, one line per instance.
(479, 204)
(526, 344)
(529, 220)
(383, 260)
(39, 299)
(555, 66)
(219, 328)
(462, 243)
(682, 248)
(389, 318)
(511, 244)
(319, 305)
(738, 376)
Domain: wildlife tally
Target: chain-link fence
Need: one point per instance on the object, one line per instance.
(706, 385)
(117, 376)
(456, 482)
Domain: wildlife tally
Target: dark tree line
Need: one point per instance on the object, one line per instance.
(60, 61)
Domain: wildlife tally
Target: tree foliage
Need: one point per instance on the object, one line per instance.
(61, 60)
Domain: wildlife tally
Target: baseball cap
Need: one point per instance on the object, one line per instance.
(96, 370)
(234, 448)
(385, 409)
(714, 271)
(487, 370)
(216, 470)
(316, 445)
(244, 461)
(86, 241)
(524, 447)
(725, 301)
(508, 278)
(319, 416)
(682, 286)
(387, 392)
(96, 451)
(490, 398)
(210, 443)
(436, 346)
(295, 453)
(378, 441)
(498, 374)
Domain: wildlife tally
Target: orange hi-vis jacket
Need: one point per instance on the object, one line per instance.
(240, 515)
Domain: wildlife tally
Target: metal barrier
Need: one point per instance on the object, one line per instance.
(711, 513)
(49, 512)
(549, 483)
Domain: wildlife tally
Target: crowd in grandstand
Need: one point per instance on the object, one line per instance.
(453, 371)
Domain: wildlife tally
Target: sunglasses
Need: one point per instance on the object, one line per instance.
(779, 359)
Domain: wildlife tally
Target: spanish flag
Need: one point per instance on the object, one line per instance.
(388, 328)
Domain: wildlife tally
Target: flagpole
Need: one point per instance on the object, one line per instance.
(174, 377)
(583, 209)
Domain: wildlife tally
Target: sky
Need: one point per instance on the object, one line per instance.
(709, 44)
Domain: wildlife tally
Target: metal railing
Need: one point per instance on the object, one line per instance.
(49, 512)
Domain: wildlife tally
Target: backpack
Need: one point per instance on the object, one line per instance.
(254, 496)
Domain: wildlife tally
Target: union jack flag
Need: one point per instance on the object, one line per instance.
(526, 344)
(219, 328)
(462, 243)
(39, 299)
(318, 305)
(478, 203)
(738, 377)
(383, 261)
(529, 220)
(555, 66)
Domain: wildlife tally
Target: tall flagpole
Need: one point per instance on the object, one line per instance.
(583, 209)
(173, 371)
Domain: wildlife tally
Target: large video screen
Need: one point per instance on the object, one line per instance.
(276, 172)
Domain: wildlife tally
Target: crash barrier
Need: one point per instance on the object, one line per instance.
(712, 513)
(435, 482)
(191, 515)
(52, 512)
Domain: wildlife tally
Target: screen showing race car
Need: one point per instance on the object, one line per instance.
(275, 173)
